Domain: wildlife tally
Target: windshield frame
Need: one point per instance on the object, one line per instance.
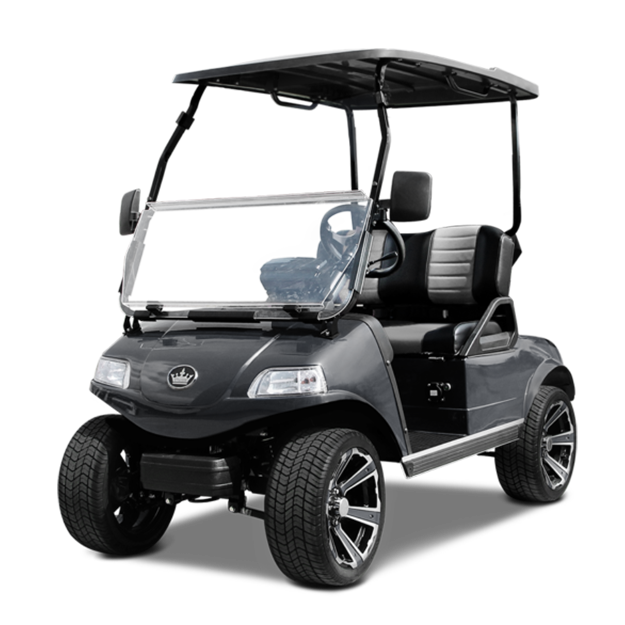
(256, 310)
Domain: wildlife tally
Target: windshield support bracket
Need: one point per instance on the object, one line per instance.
(330, 328)
(131, 328)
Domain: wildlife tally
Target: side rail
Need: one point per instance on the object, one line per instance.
(434, 457)
(500, 310)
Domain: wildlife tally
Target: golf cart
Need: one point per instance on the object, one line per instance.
(291, 366)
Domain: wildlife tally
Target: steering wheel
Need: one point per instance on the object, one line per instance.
(335, 243)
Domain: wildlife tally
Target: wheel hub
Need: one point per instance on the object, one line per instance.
(557, 445)
(353, 508)
(339, 507)
(121, 488)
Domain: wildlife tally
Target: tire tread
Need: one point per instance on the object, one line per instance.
(518, 463)
(84, 498)
(294, 505)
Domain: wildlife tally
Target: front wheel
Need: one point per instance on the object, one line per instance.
(324, 507)
(102, 503)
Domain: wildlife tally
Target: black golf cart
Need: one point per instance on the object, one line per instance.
(292, 365)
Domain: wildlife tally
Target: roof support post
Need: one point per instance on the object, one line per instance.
(353, 151)
(514, 215)
(385, 145)
(184, 123)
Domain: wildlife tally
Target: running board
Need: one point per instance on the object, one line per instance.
(460, 448)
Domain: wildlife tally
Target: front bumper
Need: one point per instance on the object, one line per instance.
(207, 476)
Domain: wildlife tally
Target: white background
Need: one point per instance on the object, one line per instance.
(51, 267)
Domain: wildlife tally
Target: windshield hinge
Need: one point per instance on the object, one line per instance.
(330, 328)
(151, 313)
(154, 308)
(131, 328)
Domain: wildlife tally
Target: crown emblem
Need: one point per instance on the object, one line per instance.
(181, 377)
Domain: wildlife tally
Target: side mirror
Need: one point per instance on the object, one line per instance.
(129, 212)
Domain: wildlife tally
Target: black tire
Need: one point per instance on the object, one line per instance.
(100, 496)
(538, 466)
(323, 522)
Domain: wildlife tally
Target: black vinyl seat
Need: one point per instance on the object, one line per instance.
(435, 300)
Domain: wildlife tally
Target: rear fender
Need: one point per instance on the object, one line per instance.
(549, 373)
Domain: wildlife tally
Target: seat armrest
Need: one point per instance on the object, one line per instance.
(495, 342)
(477, 343)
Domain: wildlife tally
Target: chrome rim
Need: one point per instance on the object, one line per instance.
(353, 508)
(557, 445)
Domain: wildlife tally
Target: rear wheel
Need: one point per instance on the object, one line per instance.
(538, 466)
(324, 508)
(102, 503)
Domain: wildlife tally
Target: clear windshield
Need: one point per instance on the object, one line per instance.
(267, 255)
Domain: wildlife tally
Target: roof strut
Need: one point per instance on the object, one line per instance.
(385, 143)
(183, 122)
(353, 151)
(516, 166)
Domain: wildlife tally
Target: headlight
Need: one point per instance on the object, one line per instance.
(299, 381)
(113, 372)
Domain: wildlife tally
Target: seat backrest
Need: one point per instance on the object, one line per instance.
(452, 266)
(411, 199)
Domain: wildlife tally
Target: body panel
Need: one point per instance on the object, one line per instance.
(228, 357)
(485, 391)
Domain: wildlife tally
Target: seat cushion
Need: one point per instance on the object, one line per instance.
(407, 337)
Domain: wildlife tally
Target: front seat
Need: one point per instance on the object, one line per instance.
(435, 300)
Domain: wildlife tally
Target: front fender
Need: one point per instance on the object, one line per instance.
(356, 364)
